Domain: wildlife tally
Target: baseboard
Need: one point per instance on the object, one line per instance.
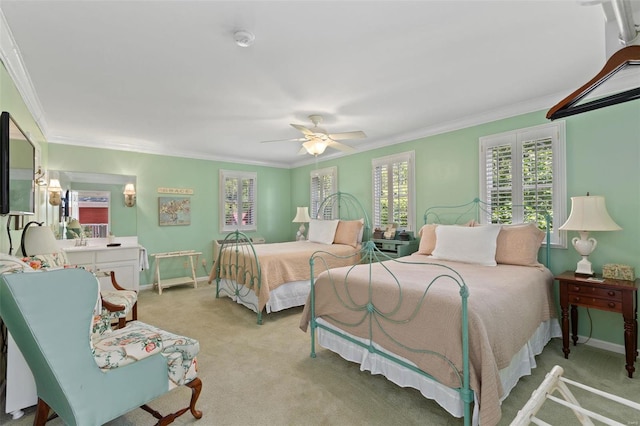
(601, 344)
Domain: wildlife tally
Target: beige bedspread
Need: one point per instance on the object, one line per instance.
(506, 305)
(286, 262)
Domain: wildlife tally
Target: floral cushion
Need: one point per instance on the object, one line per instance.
(46, 261)
(126, 298)
(138, 340)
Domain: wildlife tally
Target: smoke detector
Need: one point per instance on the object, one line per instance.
(244, 38)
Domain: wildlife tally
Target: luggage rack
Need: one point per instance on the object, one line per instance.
(170, 282)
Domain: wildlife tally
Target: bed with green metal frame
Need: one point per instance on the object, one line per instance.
(361, 312)
(241, 275)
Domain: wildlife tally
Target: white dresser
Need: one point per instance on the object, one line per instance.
(123, 260)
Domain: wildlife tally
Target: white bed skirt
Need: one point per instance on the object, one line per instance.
(285, 296)
(521, 365)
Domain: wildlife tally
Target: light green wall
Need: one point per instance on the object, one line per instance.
(202, 176)
(603, 157)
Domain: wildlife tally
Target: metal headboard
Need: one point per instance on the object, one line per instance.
(344, 206)
(483, 213)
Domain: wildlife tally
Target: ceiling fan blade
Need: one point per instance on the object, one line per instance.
(340, 146)
(348, 135)
(286, 140)
(302, 151)
(302, 129)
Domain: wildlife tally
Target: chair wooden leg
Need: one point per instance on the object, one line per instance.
(122, 322)
(196, 388)
(42, 413)
(134, 312)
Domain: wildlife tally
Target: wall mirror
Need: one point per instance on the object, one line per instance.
(91, 204)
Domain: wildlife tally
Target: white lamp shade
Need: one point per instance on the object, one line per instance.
(302, 215)
(54, 185)
(129, 189)
(589, 213)
(39, 240)
(74, 224)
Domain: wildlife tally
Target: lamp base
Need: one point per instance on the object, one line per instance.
(584, 268)
(300, 234)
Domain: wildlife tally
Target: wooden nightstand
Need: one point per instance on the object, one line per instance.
(609, 295)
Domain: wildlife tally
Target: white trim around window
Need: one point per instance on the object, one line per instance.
(238, 201)
(394, 190)
(527, 167)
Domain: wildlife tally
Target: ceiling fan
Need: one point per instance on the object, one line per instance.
(316, 139)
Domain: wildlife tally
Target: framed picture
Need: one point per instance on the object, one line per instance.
(174, 211)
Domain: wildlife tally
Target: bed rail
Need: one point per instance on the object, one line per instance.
(378, 318)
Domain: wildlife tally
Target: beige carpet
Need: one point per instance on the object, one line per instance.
(255, 374)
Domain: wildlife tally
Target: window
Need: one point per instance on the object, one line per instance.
(394, 190)
(238, 203)
(525, 168)
(324, 182)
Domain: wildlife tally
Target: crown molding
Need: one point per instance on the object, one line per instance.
(12, 59)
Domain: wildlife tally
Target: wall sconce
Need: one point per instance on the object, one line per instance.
(129, 195)
(39, 178)
(55, 192)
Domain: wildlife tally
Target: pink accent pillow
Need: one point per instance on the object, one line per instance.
(348, 232)
(427, 236)
(519, 244)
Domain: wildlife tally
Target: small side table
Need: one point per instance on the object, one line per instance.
(608, 295)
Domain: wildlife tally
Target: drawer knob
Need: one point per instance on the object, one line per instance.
(611, 293)
(576, 288)
(576, 299)
(612, 305)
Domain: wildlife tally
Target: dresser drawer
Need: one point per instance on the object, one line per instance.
(117, 255)
(81, 257)
(592, 302)
(579, 290)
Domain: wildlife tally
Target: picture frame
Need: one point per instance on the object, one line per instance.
(174, 211)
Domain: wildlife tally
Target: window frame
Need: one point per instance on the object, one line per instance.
(409, 158)
(516, 138)
(239, 176)
(316, 199)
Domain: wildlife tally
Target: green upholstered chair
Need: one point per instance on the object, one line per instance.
(49, 315)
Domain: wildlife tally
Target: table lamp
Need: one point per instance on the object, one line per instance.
(588, 213)
(38, 240)
(302, 217)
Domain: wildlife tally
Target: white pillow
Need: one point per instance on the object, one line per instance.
(322, 231)
(467, 244)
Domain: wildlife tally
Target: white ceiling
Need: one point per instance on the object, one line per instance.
(166, 77)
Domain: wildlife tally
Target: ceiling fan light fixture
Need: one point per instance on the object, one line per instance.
(315, 147)
(244, 38)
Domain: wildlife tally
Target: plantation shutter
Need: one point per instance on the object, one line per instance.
(239, 201)
(324, 182)
(392, 191)
(525, 168)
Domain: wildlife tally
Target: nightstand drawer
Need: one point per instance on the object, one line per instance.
(591, 291)
(388, 247)
(592, 302)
